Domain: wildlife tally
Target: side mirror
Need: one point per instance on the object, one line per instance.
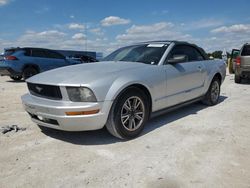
(178, 59)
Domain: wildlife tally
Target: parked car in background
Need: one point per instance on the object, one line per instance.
(23, 63)
(242, 67)
(131, 85)
(232, 60)
(84, 58)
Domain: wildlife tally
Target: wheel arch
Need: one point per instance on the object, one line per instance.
(110, 122)
(32, 66)
(217, 75)
(145, 89)
(209, 81)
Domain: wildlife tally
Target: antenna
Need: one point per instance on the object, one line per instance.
(86, 41)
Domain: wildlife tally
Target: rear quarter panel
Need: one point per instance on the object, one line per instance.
(212, 68)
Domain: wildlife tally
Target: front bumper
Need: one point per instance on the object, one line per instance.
(50, 113)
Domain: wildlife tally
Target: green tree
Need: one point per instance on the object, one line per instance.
(217, 54)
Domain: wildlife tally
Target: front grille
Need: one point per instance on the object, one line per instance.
(45, 91)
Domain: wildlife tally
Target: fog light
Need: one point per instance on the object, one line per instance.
(82, 113)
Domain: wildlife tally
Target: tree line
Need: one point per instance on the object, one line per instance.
(217, 54)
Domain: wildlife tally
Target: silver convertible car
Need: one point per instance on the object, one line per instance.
(131, 85)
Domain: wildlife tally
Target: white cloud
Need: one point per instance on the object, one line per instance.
(4, 2)
(228, 37)
(114, 20)
(62, 38)
(157, 31)
(76, 26)
(41, 36)
(55, 39)
(47, 39)
(97, 31)
(223, 40)
(79, 36)
(205, 23)
(237, 28)
(211, 44)
(135, 29)
(72, 16)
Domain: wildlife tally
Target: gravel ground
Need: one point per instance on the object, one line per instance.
(196, 146)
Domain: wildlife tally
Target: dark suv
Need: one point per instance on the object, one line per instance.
(242, 67)
(23, 63)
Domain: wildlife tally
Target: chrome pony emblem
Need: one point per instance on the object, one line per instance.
(39, 89)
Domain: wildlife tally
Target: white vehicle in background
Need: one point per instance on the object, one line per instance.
(1, 56)
(133, 84)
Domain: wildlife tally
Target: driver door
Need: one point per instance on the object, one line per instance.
(185, 80)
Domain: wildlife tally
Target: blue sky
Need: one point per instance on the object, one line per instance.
(104, 25)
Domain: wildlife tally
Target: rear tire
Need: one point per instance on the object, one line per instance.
(230, 68)
(128, 115)
(16, 78)
(212, 96)
(29, 72)
(237, 79)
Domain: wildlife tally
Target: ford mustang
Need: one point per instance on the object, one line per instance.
(122, 92)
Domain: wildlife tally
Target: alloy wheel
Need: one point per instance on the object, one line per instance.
(215, 91)
(132, 113)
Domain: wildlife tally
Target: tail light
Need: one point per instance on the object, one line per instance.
(238, 61)
(11, 57)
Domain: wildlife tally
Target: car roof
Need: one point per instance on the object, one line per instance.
(26, 48)
(168, 42)
(164, 41)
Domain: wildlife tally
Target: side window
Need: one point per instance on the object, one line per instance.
(27, 52)
(191, 53)
(54, 55)
(38, 53)
(199, 56)
(246, 50)
(84, 58)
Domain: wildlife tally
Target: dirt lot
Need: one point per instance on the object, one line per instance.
(196, 146)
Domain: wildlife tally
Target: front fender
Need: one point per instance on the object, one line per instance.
(122, 83)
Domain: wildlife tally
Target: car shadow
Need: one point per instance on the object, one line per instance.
(97, 137)
(15, 81)
(174, 115)
(245, 81)
(103, 137)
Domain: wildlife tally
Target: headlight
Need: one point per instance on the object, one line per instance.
(80, 94)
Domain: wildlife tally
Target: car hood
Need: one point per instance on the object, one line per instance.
(84, 74)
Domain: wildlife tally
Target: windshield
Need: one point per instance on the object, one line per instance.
(144, 53)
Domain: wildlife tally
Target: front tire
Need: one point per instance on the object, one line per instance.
(28, 72)
(16, 78)
(212, 96)
(128, 114)
(237, 79)
(230, 68)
